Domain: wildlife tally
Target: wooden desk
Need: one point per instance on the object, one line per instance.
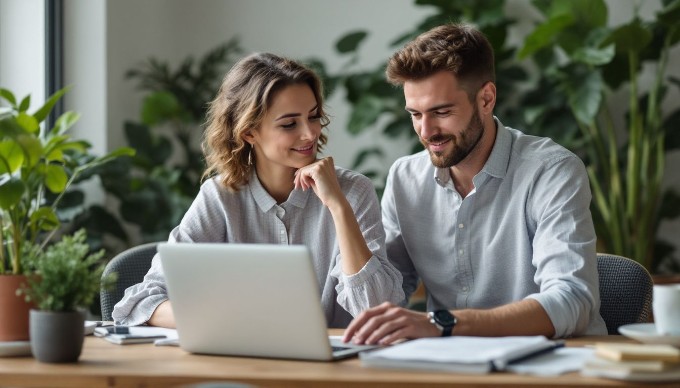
(103, 364)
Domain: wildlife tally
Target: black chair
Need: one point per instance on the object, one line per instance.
(625, 291)
(131, 265)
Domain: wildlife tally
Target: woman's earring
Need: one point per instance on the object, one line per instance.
(250, 157)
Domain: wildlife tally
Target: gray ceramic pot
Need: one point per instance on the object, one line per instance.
(57, 336)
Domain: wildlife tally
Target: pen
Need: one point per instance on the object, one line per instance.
(501, 364)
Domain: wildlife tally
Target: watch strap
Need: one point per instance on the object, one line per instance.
(445, 326)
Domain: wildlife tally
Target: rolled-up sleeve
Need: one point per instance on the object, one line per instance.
(142, 299)
(378, 281)
(564, 248)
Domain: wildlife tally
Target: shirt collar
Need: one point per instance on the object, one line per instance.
(265, 201)
(499, 159)
(496, 165)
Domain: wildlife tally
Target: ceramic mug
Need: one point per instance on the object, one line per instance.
(666, 306)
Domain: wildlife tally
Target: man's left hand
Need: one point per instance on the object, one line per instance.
(387, 323)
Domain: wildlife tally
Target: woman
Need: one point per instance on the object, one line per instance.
(265, 185)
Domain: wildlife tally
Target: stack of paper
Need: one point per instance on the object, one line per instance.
(634, 362)
(459, 354)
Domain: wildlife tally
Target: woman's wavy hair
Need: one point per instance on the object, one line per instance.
(240, 106)
(459, 48)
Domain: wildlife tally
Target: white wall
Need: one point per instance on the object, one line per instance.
(22, 49)
(85, 69)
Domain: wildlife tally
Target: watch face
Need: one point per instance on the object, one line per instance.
(444, 318)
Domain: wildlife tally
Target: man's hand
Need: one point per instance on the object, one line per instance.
(387, 323)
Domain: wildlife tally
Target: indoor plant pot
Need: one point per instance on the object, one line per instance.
(67, 278)
(57, 336)
(14, 309)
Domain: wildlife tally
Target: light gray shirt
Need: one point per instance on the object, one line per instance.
(251, 215)
(524, 231)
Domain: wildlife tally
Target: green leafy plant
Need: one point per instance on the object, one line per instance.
(582, 63)
(37, 166)
(156, 187)
(66, 276)
(376, 103)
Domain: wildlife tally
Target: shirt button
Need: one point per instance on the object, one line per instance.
(282, 231)
(461, 226)
(460, 252)
(466, 289)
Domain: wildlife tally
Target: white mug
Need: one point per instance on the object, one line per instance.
(666, 306)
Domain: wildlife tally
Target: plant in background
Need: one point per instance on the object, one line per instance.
(37, 166)
(66, 277)
(582, 63)
(156, 187)
(374, 101)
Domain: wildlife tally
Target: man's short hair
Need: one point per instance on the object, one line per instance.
(459, 48)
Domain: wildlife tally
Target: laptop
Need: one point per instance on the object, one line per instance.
(258, 300)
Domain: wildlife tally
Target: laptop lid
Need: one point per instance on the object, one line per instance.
(258, 300)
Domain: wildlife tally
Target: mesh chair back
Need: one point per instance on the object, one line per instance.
(625, 291)
(131, 266)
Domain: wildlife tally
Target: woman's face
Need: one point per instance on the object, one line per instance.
(289, 132)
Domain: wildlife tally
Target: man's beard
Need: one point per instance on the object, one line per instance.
(462, 144)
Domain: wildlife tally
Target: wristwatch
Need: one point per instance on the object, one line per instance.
(444, 320)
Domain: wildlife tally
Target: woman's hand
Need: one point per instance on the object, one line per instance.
(320, 176)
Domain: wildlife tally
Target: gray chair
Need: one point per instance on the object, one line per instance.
(625, 291)
(131, 265)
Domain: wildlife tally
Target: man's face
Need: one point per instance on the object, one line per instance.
(447, 123)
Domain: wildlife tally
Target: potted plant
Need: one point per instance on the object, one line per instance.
(583, 63)
(65, 280)
(37, 165)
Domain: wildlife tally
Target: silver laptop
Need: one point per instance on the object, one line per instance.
(255, 300)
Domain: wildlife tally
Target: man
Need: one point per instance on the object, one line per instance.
(495, 223)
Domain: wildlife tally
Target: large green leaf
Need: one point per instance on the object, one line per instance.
(588, 15)
(33, 150)
(9, 127)
(41, 114)
(544, 34)
(28, 122)
(351, 41)
(11, 190)
(364, 114)
(9, 96)
(12, 156)
(55, 178)
(594, 56)
(630, 37)
(585, 95)
(25, 103)
(357, 84)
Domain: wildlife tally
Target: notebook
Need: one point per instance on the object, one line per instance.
(256, 300)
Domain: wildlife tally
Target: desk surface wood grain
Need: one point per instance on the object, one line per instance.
(103, 364)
